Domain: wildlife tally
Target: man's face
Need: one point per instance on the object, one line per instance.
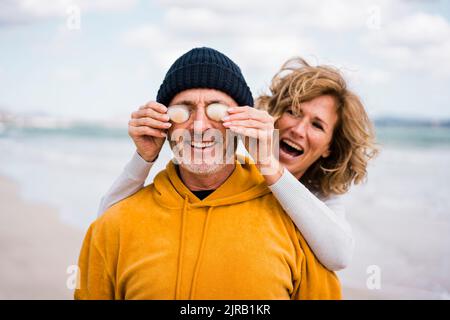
(200, 144)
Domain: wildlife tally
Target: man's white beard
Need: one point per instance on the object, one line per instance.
(221, 158)
(203, 168)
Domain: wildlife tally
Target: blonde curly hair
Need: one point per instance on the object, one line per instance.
(353, 142)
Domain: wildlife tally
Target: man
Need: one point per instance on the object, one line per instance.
(204, 229)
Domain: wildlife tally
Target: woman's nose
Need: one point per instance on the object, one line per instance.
(300, 128)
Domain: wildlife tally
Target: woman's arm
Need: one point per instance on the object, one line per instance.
(130, 181)
(322, 223)
(148, 129)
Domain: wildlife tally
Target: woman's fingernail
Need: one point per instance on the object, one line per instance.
(226, 118)
(226, 124)
(168, 124)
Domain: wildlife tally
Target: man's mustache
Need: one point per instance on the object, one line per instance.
(210, 135)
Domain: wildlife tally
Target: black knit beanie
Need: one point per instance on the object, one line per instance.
(205, 68)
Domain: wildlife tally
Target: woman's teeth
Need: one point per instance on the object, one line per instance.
(291, 148)
(293, 145)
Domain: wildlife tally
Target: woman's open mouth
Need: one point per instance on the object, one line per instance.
(290, 148)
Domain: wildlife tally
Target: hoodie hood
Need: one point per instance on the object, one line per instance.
(245, 183)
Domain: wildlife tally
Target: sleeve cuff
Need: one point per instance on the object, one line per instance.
(285, 182)
(138, 168)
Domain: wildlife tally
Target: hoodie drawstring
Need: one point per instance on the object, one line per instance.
(200, 254)
(181, 249)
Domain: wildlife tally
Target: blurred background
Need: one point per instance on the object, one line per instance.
(71, 73)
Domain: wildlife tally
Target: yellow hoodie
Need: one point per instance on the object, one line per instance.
(165, 243)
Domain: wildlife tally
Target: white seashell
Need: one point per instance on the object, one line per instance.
(216, 111)
(178, 113)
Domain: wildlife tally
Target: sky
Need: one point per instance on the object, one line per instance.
(102, 59)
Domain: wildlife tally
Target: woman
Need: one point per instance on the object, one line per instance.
(325, 139)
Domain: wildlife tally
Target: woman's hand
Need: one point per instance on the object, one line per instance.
(147, 127)
(258, 126)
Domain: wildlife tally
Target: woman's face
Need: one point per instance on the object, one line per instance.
(306, 133)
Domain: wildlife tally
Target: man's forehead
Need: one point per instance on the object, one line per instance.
(196, 96)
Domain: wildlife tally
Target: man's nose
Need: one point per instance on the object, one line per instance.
(201, 121)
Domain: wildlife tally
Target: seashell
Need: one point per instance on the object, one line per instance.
(179, 113)
(216, 111)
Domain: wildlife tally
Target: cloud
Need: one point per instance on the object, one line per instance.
(15, 12)
(418, 42)
(418, 29)
(376, 43)
(67, 74)
(259, 44)
(331, 15)
(364, 75)
(259, 35)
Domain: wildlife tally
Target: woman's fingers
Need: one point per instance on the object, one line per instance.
(155, 106)
(240, 109)
(145, 131)
(150, 119)
(150, 122)
(248, 124)
(149, 113)
(248, 132)
(151, 110)
(240, 113)
(249, 118)
(258, 126)
(263, 135)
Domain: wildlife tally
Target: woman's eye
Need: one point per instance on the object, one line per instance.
(318, 125)
(293, 113)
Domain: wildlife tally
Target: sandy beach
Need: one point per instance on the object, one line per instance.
(36, 248)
